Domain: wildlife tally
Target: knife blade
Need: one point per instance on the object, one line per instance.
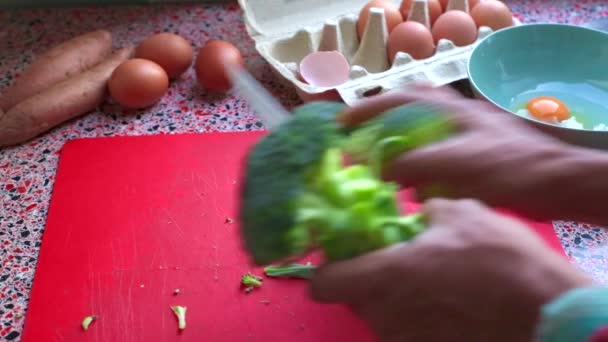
(265, 106)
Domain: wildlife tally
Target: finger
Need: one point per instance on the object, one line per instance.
(346, 281)
(443, 211)
(440, 163)
(371, 107)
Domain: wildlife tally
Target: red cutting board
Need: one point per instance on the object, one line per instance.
(134, 218)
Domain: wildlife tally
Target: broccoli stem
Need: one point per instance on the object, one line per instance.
(303, 271)
(87, 321)
(180, 313)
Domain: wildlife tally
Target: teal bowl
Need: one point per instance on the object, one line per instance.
(515, 65)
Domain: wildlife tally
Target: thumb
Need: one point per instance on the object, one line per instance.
(349, 280)
(444, 211)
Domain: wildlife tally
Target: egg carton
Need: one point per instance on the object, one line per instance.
(286, 31)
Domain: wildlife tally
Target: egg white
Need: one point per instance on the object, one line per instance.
(569, 123)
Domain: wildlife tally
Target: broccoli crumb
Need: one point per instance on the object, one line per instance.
(251, 281)
(87, 321)
(180, 313)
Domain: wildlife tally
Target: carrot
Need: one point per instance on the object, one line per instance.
(61, 102)
(58, 64)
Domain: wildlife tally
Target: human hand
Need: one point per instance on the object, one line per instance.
(474, 275)
(497, 158)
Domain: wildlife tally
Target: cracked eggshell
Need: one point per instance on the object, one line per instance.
(324, 69)
(286, 31)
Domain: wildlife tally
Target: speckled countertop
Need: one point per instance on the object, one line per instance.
(27, 172)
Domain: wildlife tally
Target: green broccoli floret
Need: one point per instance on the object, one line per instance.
(277, 172)
(250, 282)
(304, 271)
(298, 194)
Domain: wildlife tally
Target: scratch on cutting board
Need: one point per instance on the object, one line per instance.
(134, 241)
(199, 194)
(245, 317)
(165, 274)
(164, 282)
(215, 204)
(216, 271)
(120, 316)
(153, 259)
(99, 298)
(179, 229)
(58, 336)
(128, 307)
(66, 244)
(212, 183)
(113, 252)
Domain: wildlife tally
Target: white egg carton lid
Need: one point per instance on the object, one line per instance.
(286, 31)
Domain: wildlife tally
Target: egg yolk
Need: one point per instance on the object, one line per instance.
(548, 108)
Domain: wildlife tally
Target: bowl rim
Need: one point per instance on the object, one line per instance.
(523, 27)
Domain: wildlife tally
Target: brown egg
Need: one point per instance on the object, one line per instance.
(209, 65)
(413, 38)
(169, 50)
(492, 13)
(445, 3)
(434, 9)
(391, 13)
(457, 26)
(138, 83)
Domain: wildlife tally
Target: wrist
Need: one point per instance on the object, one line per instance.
(544, 277)
(579, 315)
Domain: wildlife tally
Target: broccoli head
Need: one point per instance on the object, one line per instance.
(380, 140)
(299, 195)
